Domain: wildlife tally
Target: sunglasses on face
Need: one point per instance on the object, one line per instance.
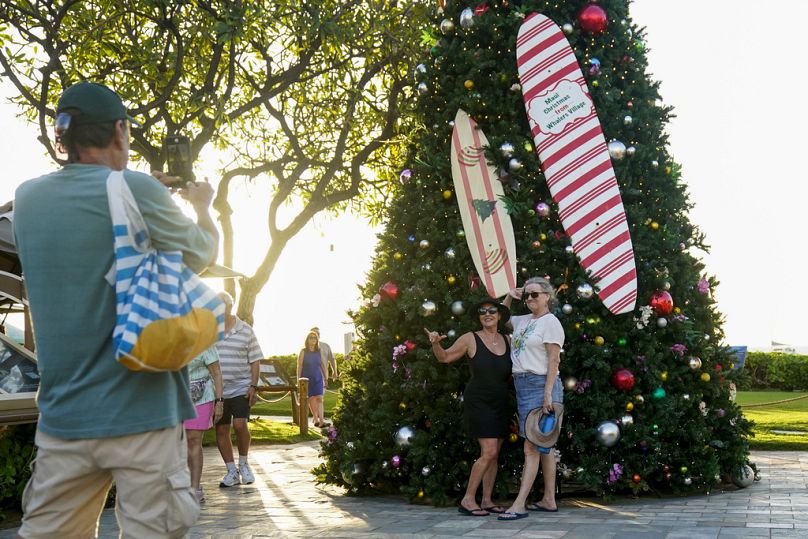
(487, 310)
(533, 295)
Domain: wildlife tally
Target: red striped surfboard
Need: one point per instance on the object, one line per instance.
(575, 159)
(486, 222)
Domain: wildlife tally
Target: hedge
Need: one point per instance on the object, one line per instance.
(774, 370)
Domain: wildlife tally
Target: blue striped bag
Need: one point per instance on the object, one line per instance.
(166, 315)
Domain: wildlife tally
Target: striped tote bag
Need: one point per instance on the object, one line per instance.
(166, 315)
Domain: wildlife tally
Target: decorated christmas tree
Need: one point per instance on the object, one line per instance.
(504, 104)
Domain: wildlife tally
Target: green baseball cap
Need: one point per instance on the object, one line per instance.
(96, 102)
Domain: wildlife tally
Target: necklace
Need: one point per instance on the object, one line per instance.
(494, 341)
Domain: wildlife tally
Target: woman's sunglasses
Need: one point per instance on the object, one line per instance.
(487, 310)
(533, 295)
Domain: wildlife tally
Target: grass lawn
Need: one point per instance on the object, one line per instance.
(265, 432)
(786, 416)
(284, 406)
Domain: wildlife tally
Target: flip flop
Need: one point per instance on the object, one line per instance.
(471, 512)
(507, 515)
(537, 507)
(496, 509)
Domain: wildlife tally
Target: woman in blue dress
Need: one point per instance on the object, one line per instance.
(311, 364)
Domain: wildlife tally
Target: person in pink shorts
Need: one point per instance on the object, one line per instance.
(206, 391)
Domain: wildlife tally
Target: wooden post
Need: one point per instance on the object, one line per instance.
(295, 405)
(303, 393)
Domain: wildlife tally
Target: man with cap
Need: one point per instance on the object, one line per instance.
(100, 422)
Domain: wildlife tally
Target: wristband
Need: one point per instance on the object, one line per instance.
(219, 399)
(253, 386)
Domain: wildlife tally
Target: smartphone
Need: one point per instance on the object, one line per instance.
(177, 150)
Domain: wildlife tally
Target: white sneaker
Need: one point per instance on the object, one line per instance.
(230, 479)
(247, 476)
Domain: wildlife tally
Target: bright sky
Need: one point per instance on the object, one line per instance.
(731, 70)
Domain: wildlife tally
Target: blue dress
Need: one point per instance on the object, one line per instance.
(311, 370)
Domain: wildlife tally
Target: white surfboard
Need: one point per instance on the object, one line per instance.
(486, 222)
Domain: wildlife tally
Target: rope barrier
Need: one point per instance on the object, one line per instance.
(275, 400)
(761, 404)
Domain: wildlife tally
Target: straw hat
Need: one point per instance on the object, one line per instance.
(533, 432)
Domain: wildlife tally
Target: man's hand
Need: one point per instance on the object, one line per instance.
(199, 194)
(252, 396)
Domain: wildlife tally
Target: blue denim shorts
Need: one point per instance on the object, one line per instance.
(530, 394)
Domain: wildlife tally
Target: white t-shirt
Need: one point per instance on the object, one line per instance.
(528, 352)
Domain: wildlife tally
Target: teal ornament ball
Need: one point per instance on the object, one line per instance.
(659, 393)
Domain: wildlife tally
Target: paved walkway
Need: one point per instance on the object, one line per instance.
(286, 502)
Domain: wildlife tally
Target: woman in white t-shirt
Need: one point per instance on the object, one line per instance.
(536, 353)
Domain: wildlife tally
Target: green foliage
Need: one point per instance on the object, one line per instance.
(776, 370)
(680, 442)
(16, 453)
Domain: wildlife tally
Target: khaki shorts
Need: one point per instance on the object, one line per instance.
(70, 480)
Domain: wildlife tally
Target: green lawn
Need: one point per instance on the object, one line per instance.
(266, 432)
(786, 416)
(284, 406)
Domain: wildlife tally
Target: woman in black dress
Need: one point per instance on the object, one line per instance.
(485, 400)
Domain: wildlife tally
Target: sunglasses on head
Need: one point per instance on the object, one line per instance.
(488, 310)
(533, 295)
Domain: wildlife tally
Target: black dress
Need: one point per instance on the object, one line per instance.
(485, 400)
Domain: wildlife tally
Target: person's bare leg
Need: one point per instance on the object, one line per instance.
(488, 454)
(223, 442)
(490, 478)
(548, 470)
(243, 437)
(195, 458)
(313, 409)
(529, 472)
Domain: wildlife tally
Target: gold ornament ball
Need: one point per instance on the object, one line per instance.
(447, 194)
(570, 383)
(451, 279)
(397, 256)
(420, 493)
(639, 399)
(578, 325)
(543, 236)
(600, 341)
(402, 405)
(654, 225)
(536, 244)
(677, 310)
(668, 169)
(513, 437)
(705, 377)
(629, 406)
(595, 84)
(469, 84)
(664, 376)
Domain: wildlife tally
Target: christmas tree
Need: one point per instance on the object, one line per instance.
(647, 391)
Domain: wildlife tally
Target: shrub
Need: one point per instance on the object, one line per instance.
(16, 453)
(774, 370)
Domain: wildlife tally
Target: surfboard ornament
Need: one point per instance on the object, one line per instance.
(575, 160)
(486, 222)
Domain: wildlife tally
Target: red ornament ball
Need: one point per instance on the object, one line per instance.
(389, 290)
(662, 302)
(636, 478)
(410, 345)
(623, 379)
(593, 19)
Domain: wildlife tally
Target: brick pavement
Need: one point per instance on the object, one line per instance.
(285, 502)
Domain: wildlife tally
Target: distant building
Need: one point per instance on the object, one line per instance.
(785, 348)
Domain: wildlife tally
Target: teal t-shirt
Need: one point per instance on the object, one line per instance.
(198, 371)
(64, 239)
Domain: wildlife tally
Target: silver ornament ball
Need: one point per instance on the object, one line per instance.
(584, 291)
(542, 209)
(451, 334)
(694, 363)
(567, 28)
(744, 477)
(570, 383)
(428, 308)
(566, 308)
(617, 150)
(422, 88)
(514, 165)
(655, 163)
(627, 120)
(449, 253)
(404, 435)
(630, 151)
(467, 18)
(569, 250)
(458, 308)
(687, 481)
(426, 470)
(420, 69)
(423, 244)
(662, 322)
(506, 149)
(608, 433)
(627, 420)
(446, 26)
